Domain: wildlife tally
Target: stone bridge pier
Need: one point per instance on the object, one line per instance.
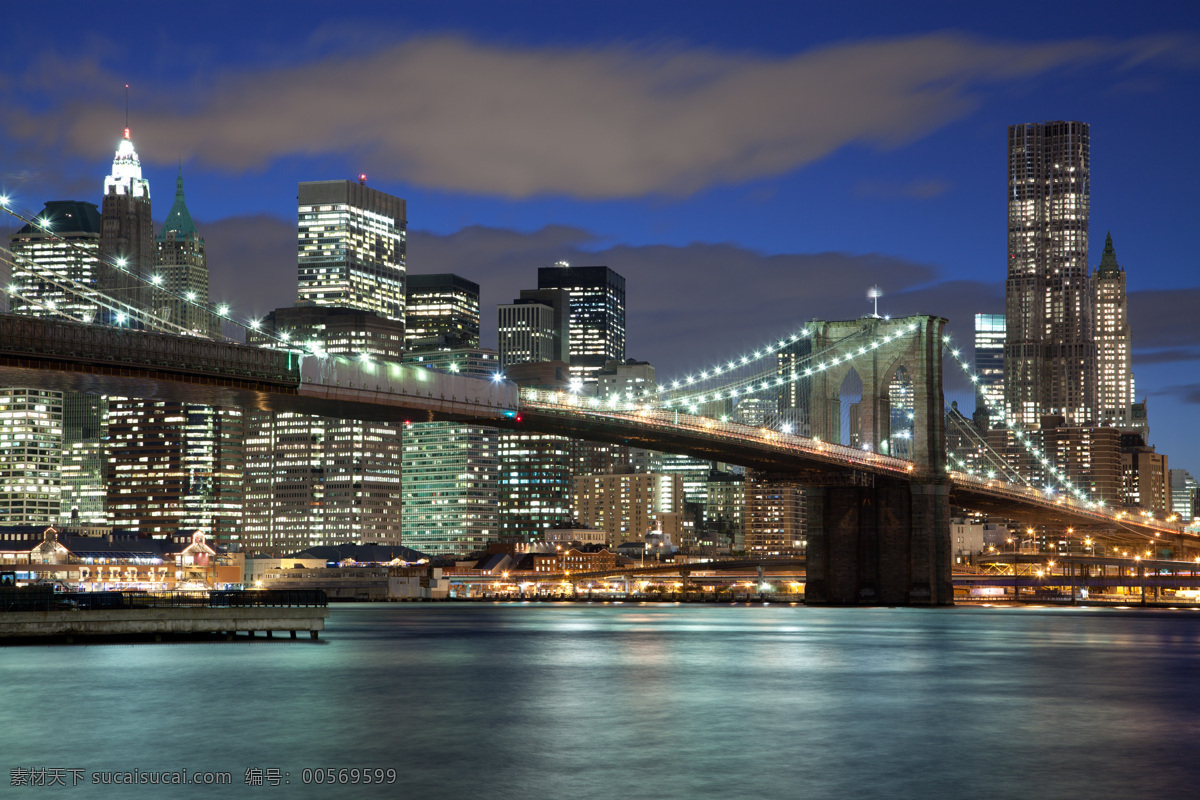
(875, 540)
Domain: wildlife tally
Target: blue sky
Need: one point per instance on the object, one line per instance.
(747, 167)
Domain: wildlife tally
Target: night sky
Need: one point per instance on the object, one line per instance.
(746, 166)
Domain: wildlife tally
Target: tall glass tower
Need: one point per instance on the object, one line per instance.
(351, 248)
(990, 333)
(597, 316)
(1049, 352)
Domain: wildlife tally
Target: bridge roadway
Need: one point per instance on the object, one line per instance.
(67, 356)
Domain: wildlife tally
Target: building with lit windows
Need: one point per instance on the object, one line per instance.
(535, 327)
(775, 516)
(990, 334)
(85, 431)
(183, 269)
(450, 470)
(1114, 373)
(66, 246)
(1049, 352)
(1183, 494)
(127, 232)
(352, 241)
(628, 506)
(30, 456)
(596, 329)
(442, 312)
(1145, 476)
(312, 480)
(174, 468)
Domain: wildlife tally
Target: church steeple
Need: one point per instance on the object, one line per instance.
(1108, 261)
(179, 220)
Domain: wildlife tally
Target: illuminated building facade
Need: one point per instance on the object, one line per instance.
(127, 231)
(596, 329)
(450, 470)
(535, 327)
(66, 246)
(442, 312)
(85, 430)
(30, 456)
(351, 248)
(1049, 353)
(775, 516)
(183, 268)
(990, 333)
(313, 480)
(628, 506)
(1114, 374)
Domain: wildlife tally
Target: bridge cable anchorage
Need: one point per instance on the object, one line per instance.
(94, 294)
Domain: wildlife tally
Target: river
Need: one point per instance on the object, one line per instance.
(628, 701)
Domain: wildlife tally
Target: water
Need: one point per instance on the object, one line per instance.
(635, 701)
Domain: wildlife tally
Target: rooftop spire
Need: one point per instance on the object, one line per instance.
(179, 220)
(1108, 261)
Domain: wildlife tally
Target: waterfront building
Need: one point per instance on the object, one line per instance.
(30, 456)
(63, 248)
(990, 335)
(628, 505)
(596, 327)
(314, 480)
(450, 470)
(1114, 375)
(183, 269)
(351, 248)
(441, 313)
(175, 468)
(776, 513)
(1049, 352)
(127, 232)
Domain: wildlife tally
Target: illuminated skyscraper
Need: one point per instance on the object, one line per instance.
(30, 456)
(1114, 376)
(1049, 354)
(351, 245)
(597, 316)
(442, 313)
(990, 333)
(183, 268)
(127, 232)
(63, 249)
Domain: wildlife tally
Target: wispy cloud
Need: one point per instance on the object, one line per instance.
(594, 122)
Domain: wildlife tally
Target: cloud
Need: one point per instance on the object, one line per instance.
(1187, 392)
(1164, 319)
(915, 190)
(589, 122)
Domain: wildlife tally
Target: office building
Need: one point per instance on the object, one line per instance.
(1114, 373)
(351, 248)
(1049, 353)
(990, 334)
(30, 456)
(450, 470)
(183, 269)
(127, 233)
(442, 313)
(630, 505)
(85, 431)
(535, 327)
(312, 480)
(775, 516)
(62, 250)
(1183, 494)
(1145, 476)
(596, 329)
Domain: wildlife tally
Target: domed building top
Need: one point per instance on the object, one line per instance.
(179, 220)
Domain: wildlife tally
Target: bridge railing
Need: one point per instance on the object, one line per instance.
(565, 403)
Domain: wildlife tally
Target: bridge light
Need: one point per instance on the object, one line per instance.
(191, 297)
(254, 324)
(496, 378)
(284, 335)
(120, 317)
(121, 262)
(223, 310)
(454, 367)
(3, 201)
(156, 280)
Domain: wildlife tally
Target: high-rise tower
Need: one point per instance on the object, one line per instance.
(597, 316)
(1049, 353)
(126, 230)
(64, 245)
(351, 248)
(1114, 375)
(183, 267)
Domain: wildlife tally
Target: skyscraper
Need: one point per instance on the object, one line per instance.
(990, 333)
(30, 456)
(442, 312)
(351, 245)
(183, 268)
(597, 316)
(535, 327)
(1114, 376)
(127, 232)
(63, 250)
(1049, 353)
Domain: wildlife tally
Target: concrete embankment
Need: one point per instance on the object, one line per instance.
(68, 624)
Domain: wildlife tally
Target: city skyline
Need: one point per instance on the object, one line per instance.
(911, 201)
